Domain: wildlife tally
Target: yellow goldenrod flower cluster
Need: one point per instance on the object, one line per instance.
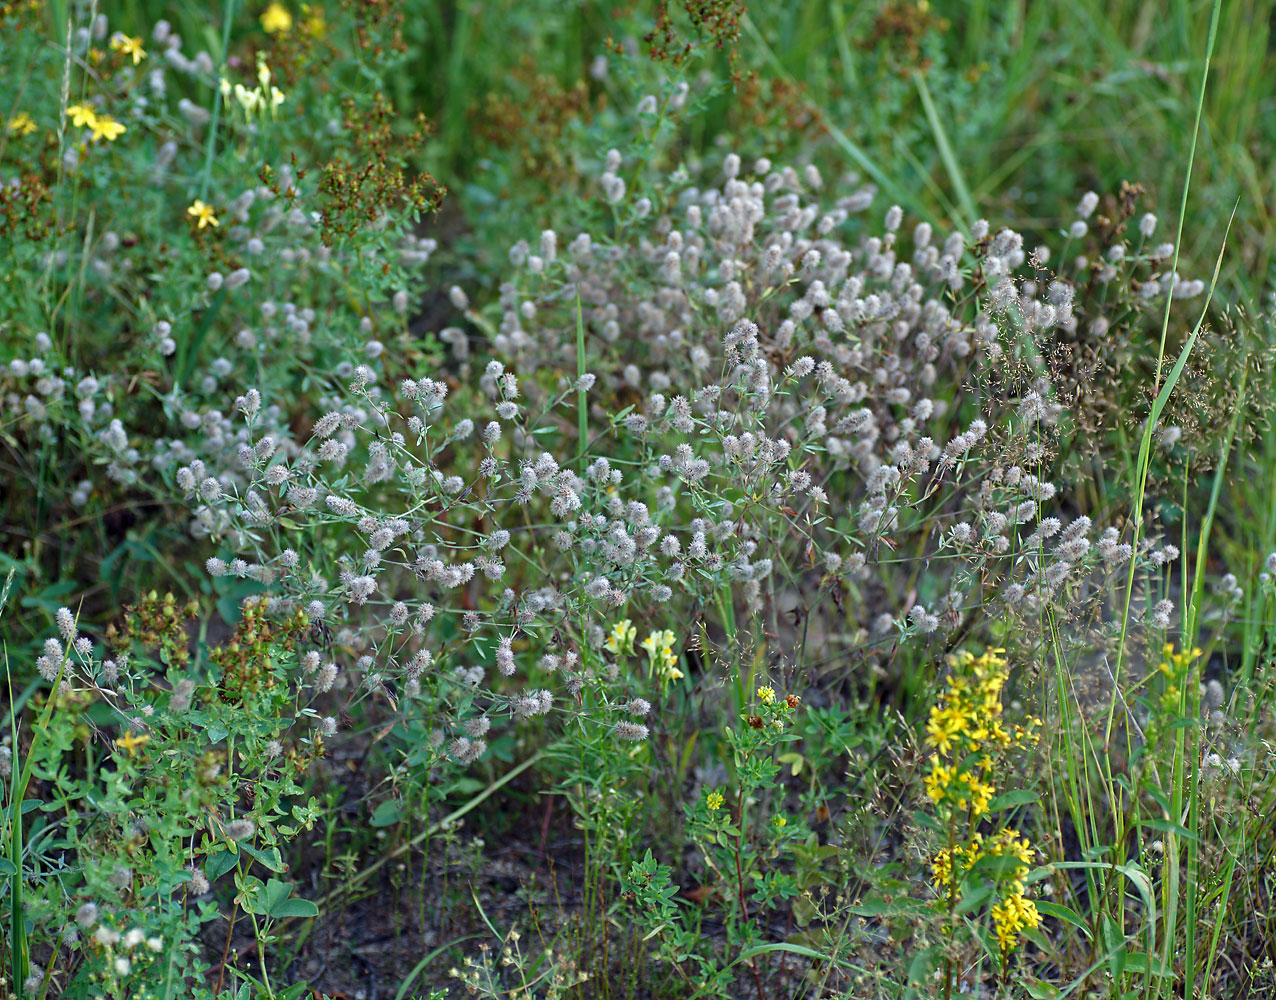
(1013, 911)
(1173, 670)
(965, 728)
(1168, 691)
(621, 638)
(660, 654)
(102, 126)
(966, 732)
(1010, 916)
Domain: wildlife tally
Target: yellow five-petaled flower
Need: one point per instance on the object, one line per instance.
(102, 126)
(202, 213)
(21, 124)
(81, 115)
(129, 46)
(132, 742)
(106, 127)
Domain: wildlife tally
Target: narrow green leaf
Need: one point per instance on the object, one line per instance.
(1011, 799)
(1064, 913)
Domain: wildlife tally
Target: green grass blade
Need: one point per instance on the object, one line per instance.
(417, 969)
(897, 192)
(206, 176)
(1163, 394)
(582, 400)
(946, 154)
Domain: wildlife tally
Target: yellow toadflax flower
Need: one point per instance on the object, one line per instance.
(621, 639)
(251, 101)
(203, 213)
(276, 18)
(21, 124)
(128, 46)
(664, 661)
(258, 100)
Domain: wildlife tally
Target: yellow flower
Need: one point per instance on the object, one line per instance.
(202, 212)
(315, 25)
(942, 869)
(621, 638)
(981, 794)
(1011, 915)
(21, 124)
(943, 727)
(276, 18)
(106, 127)
(766, 695)
(781, 821)
(713, 801)
(659, 647)
(81, 115)
(258, 100)
(250, 100)
(132, 742)
(129, 46)
(937, 781)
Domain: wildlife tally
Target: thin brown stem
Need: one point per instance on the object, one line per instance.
(230, 929)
